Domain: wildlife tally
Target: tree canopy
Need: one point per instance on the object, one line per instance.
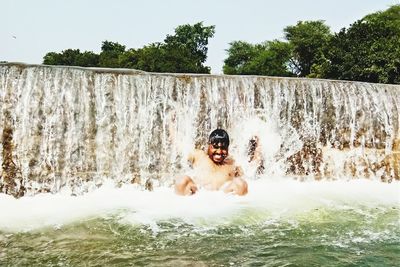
(303, 47)
(72, 57)
(185, 52)
(270, 58)
(110, 54)
(308, 40)
(369, 50)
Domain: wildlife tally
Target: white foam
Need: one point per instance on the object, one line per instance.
(282, 197)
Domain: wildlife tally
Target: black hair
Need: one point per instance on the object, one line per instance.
(219, 136)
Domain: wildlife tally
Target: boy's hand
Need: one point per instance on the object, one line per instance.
(191, 189)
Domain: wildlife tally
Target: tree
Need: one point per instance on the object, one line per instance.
(150, 58)
(66, 57)
(269, 58)
(186, 50)
(53, 58)
(72, 57)
(88, 59)
(369, 50)
(308, 39)
(274, 59)
(128, 59)
(110, 54)
(305, 46)
(183, 52)
(240, 54)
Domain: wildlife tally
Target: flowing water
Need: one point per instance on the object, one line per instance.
(81, 146)
(279, 223)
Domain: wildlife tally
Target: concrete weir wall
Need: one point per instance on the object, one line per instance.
(72, 128)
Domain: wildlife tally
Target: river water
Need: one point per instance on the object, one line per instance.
(79, 147)
(281, 222)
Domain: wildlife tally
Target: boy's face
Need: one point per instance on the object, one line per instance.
(217, 152)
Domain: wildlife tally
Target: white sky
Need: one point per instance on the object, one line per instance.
(31, 28)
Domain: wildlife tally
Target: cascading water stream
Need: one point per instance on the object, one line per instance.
(65, 131)
(66, 127)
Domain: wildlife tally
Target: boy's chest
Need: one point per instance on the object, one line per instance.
(211, 175)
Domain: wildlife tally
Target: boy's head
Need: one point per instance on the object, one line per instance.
(218, 144)
(219, 136)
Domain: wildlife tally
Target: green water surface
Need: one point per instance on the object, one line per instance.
(321, 237)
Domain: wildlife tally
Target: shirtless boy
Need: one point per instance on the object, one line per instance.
(213, 170)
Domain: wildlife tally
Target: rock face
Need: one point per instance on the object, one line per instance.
(71, 128)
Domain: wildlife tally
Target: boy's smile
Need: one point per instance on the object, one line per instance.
(217, 152)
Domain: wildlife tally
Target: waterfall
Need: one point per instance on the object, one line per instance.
(70, 127)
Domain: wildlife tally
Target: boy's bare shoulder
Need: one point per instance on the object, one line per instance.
(229, 161)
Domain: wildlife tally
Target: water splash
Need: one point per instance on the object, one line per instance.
(276, 200)
(65, 127)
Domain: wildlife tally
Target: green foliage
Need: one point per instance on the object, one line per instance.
(53, 58)
(275, 58)
(184, 52)
(193, 39)
(88, 59)
(369, 50)
(149, 58)
(128, 59)
(270, 58)
(240, 54)
(308, 39)
(72, 57)
(304, 47)
(110, 54)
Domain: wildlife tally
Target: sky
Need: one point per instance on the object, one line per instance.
(31, 28)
